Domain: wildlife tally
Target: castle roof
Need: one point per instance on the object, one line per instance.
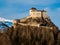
(33, 8)
(38, 10)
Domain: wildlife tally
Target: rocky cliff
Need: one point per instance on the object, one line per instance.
(28, 32)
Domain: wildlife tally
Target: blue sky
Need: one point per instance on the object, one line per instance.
(13, 9)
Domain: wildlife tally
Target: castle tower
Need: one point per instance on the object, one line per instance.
(43, 14)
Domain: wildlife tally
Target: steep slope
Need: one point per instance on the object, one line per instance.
(31, 31)
(39, 22)
(30, 35)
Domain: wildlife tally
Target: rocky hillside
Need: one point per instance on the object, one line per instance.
(41, 21)
(26, 33)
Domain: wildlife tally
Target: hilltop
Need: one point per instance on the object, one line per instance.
(37, 18)
(36, 29)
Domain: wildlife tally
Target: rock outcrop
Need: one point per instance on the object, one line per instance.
(31, 31)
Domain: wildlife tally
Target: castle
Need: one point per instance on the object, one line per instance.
(37, 13)
(34, 13)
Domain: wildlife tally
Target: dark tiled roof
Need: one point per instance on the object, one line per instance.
(33, 8)
(38, 10)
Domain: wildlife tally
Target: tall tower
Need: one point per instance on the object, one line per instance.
(43, 14)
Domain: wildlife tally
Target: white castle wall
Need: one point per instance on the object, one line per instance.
(36, 13)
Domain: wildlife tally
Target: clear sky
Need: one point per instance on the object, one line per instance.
(13, 9)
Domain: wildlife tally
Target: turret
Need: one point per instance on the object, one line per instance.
(43, 14)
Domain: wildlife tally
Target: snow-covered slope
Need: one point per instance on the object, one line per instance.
(4, 23)
(4, 20)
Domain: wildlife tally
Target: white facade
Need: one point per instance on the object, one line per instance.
(38, 13)
(35, 13)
